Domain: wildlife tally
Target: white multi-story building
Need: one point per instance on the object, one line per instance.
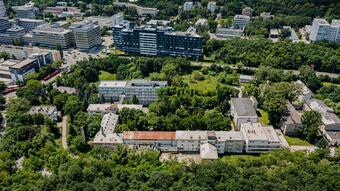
(227, 33)
(48, 35)
(241, 21)
(106, 136)
(229, 142)
(322, 30)
(187, 6)
(259, 139)
(162, 140)
(190, 141)
(243, 111)
(50, 112)
(87, 35)
(144, 90)
(212, 6)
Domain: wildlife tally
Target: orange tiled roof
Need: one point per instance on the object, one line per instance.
(149, 135)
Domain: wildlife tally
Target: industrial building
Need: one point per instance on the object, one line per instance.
(87, 35)
(144, 90)
(153, 41)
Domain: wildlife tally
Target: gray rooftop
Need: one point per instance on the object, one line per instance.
(243, 106)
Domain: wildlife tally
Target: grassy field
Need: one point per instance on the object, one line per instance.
(329, 84)
(263, 115)
(107, 76)
(208, 84)
(297, 141)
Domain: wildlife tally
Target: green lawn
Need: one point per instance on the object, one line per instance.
(107, 76)
(329, 84)
(297, 141)
(207, 85)
(263, 115)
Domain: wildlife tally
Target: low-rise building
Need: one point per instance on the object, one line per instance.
(246, 78)
(102, 21)
(190, 141)
(229, 142)
(243, 111)
(227, 33)
(291, 121)
(164, 141)
(266, 15)
(50, 112)
(141, 11)
(241, 21)
(144, 90)
(259, 139)
(329, 119)
(106, 136)
(154, 22)
(201, 22)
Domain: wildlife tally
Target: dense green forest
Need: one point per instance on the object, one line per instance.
(284, 54)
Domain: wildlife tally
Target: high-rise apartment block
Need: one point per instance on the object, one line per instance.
(145, 91)
(322, 30)
(86, 34)
(147, 40)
